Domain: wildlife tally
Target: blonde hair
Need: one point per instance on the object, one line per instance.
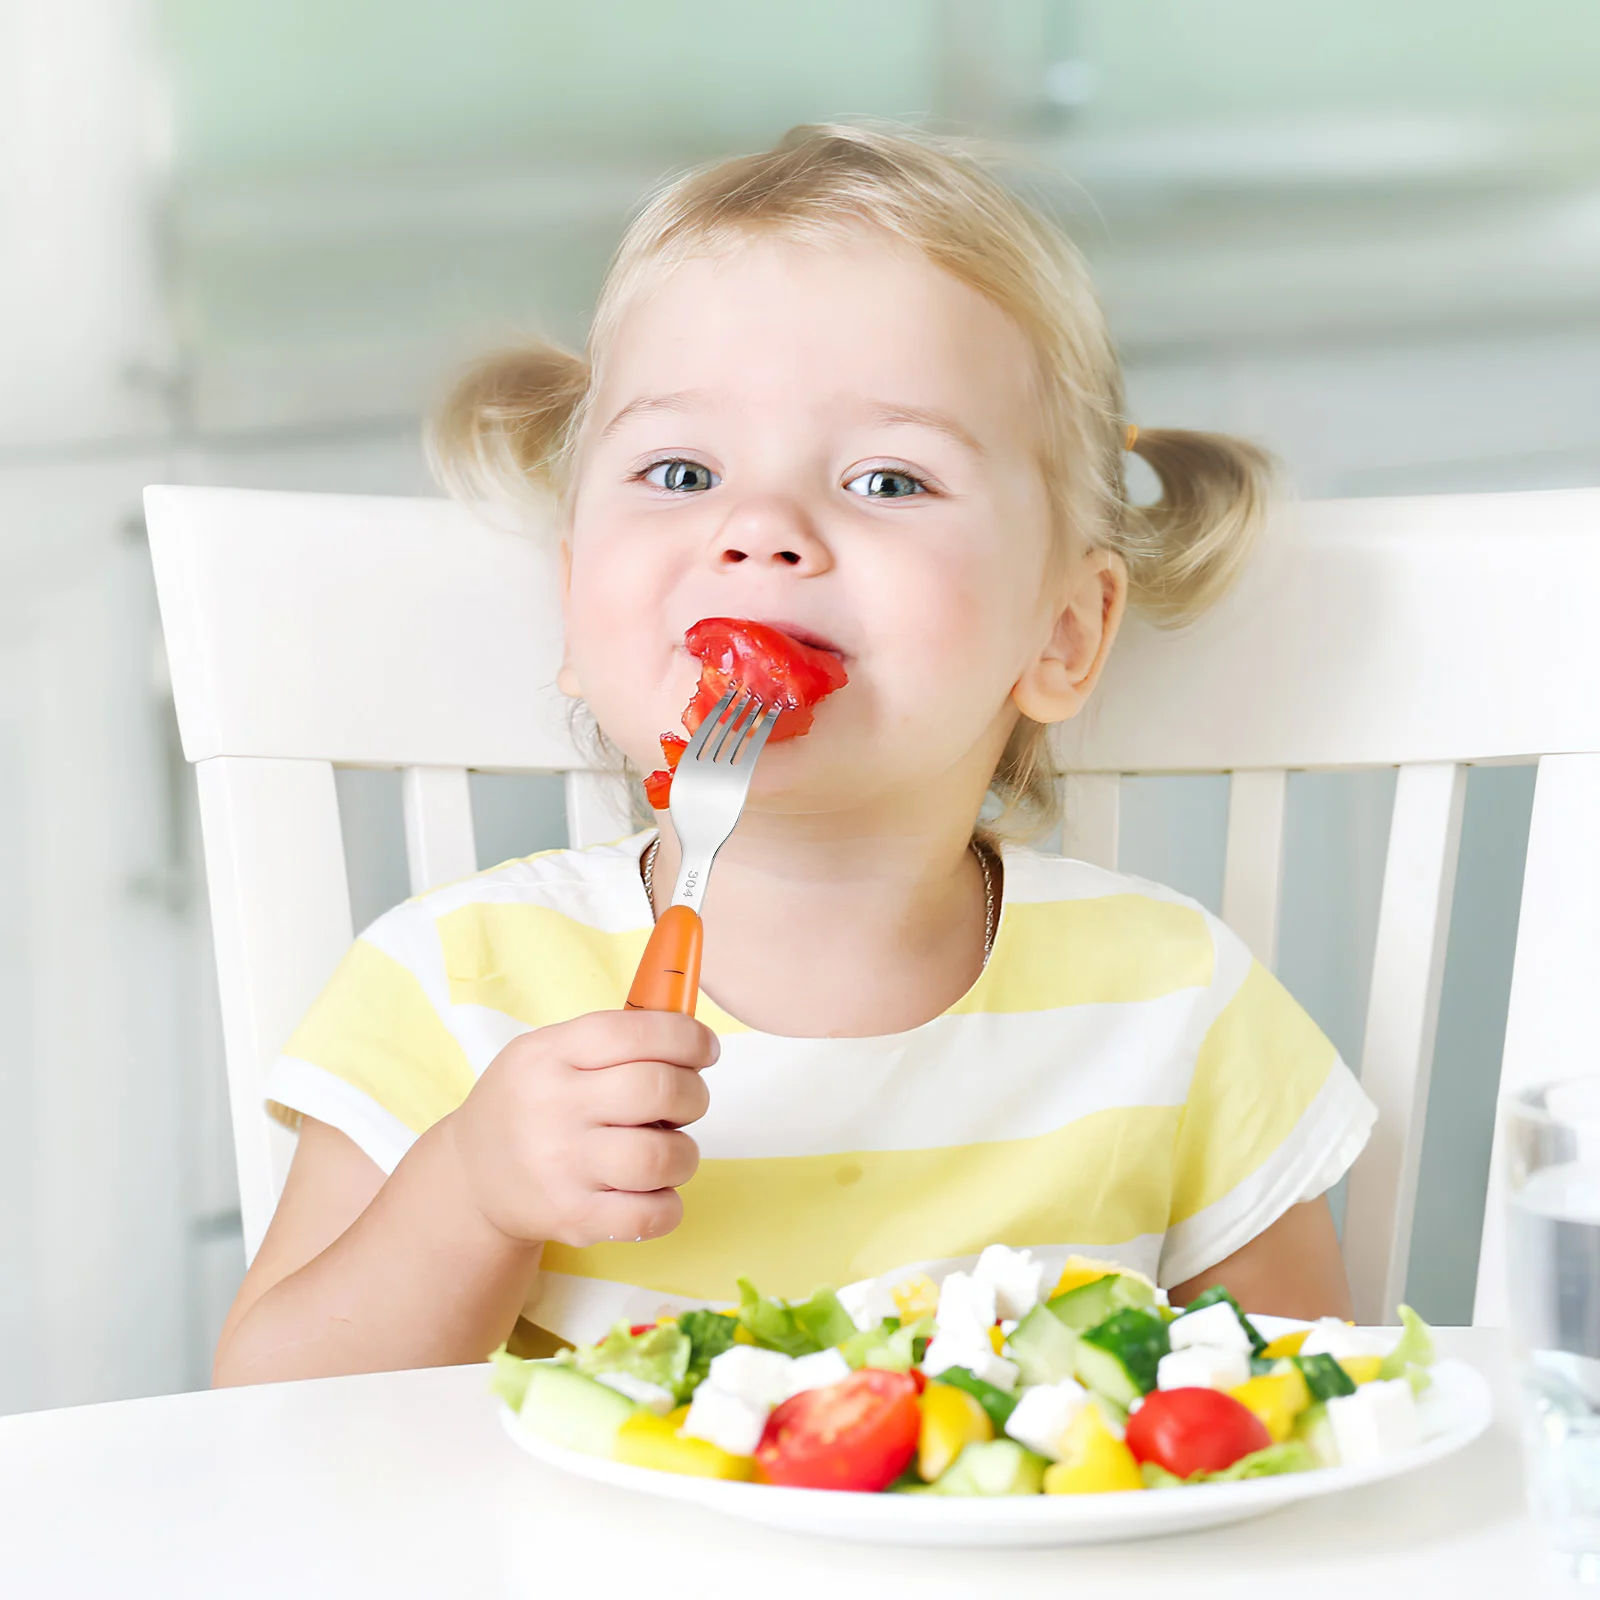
(515, 422)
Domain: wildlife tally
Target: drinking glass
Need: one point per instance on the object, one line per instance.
(1552, 1146)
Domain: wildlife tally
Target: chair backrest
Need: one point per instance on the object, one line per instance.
(309, 631)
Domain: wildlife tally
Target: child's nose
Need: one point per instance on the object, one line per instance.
(771, 533)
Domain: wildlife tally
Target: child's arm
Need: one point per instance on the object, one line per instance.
(561, 1138)
(1293, 1269)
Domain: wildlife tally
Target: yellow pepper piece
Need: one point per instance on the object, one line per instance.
(951, 1420)
(1093, 1459)
(916, 1298)
(646, 1440)
(1361, 1369)
(997, 1339)
(1277, 1398)
(742, 1335)
(1286, 1344)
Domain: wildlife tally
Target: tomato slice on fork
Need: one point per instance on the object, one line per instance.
(776, 669)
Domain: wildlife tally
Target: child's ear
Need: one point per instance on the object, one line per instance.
(567, 677)
(1059, 680)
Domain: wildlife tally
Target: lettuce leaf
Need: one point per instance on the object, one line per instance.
(799, 1328)
(890, 1347)
(709, 1333)
(508, 1377)
(659, 1355)
(1413, 1355)
(1290, 1456)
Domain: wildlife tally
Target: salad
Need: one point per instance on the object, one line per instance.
(991, 1382)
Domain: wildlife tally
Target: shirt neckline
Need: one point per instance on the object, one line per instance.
(640, 842)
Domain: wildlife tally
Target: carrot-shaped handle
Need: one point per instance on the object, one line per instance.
(668, 978)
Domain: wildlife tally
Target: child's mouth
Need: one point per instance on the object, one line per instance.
(805, 636)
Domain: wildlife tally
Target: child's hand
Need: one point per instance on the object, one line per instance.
(562, 1138)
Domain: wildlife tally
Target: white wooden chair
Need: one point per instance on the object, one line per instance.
(310, 631)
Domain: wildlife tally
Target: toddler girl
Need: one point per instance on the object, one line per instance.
(850, 387)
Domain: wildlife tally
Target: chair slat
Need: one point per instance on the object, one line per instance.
(1553, 1024)
(1402, 1017)
(280, 913)
(1252, 884)
(440, 847)
(1091, 806)
(598, 809)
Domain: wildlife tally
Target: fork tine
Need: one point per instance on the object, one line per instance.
(756, 733)
(732, 728)
(698, 743)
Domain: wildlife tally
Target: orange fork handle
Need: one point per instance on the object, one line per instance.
(668, 978)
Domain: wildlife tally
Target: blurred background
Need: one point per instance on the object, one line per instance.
(245, 241)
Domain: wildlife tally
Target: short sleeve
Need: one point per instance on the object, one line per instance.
(1273, 1117)
(373, 1057)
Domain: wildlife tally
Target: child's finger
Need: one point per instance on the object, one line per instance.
(638, 1093)
(640, 1160)
(616, 1214)
(608, 1038)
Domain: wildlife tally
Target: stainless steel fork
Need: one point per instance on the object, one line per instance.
(708, 794)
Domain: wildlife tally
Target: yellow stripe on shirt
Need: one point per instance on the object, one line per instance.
(1261, 1065)
(541, 966)
(374, 1027)
(800, 1221)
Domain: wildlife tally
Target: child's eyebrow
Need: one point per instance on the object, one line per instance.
(683, 400)
(887, 414)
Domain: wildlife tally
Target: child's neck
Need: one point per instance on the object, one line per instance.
(821, 927)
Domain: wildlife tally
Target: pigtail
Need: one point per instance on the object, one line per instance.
(1185, 551)
(507, 426)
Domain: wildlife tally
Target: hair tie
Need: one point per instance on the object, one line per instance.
(1129, 435)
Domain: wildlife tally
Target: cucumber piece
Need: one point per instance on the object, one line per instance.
(1217, 1294)
(1313, 1429)
(995, 1467)
(1043, 1346)
(1084, 1306)
(569, 1409)
(1325, 1378)
(1090, 1303)
(1118, 1358)
(995, 1401)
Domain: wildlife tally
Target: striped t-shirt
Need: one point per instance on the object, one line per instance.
(1122, 1079)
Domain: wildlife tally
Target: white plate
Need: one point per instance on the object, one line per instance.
(1453, 1412)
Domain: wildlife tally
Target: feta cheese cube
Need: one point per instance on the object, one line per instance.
(1378, 1420)
(748, 1373)
(965, 1302)
(868, 1302)
(1331, 1337)
(730, 1423)
(641, 1390)
(1202, 1366)
(1043, 1413)
(1016, 1278)
(817, 1371)
(960, 1348)
(1216, 1326)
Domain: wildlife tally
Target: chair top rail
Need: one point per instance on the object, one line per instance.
(446, 628)
(441, 630)
(1496, 658)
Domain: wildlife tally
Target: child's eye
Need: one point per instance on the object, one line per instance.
(682, 477)
(881, 484)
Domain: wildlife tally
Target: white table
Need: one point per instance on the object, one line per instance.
(403, 1484)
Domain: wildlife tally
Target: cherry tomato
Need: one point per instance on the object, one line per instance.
(860, 1433)
(1194, 1430)
(776, 669)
